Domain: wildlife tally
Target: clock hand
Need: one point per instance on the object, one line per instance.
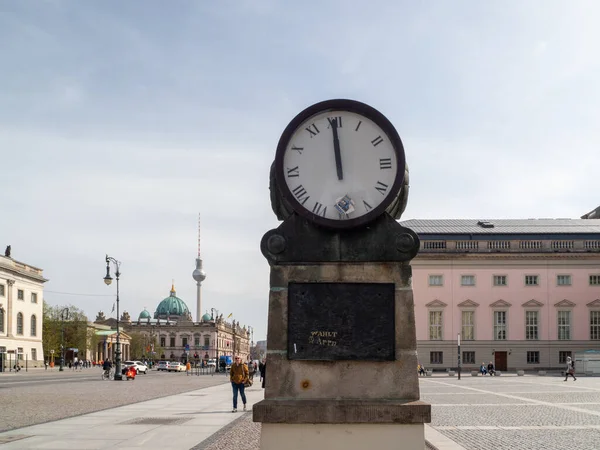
(336, 149)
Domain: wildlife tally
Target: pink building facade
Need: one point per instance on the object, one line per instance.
(524, 294)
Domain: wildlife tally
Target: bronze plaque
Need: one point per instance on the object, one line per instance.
(341, 321)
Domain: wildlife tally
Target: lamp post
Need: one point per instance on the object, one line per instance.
(212, 318)
(459, 357)
(64, 314)
(108, 281)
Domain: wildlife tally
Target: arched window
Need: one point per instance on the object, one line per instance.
(20, 323)
(33, 325)
(1, 320)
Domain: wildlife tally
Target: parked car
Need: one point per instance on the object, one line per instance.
(139, 366)
(211, 363)
(175, 366)
(162, 365)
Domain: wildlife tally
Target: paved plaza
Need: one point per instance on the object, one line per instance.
(511, 412)
(506, 412)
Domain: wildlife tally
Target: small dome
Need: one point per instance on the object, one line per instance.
(171, 306)
(144, 315)
(206, 317)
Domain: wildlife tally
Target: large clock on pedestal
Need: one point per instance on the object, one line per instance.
(340, 163)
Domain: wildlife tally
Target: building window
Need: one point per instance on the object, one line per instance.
(20, 294)
(594, 325)
(172, 343)
(564, 325)
(184, 341)
(196, 341)
(533, 357)
(436, 357)
(499, 280)
(1, 320)
(206, 342)
(33, 297)
(467, 280)
(532, 280)
(163, 341)
(34, 354)
(2, 294)
(531, 325)
(20, 323)
(594, 281)
(33, 326)
(500, 325)
(436, 280)
(563, 280)
(562, 357)
(20, 353)
(435, 325)
(468, 325)
(468, 358)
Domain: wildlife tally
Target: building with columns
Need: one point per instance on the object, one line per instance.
(524, 294)
(171, 329)
(21, 312)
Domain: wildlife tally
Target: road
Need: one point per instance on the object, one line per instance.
(38, 396)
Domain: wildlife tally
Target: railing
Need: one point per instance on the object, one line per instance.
(506, 246)
(562, 245)
(498, 245)
(467, 245)
(530, 245)
(591, 245)
(434, 245)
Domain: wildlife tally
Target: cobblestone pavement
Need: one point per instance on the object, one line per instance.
(511, 412)
(35, 400)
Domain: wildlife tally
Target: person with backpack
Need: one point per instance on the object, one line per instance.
(570, 369)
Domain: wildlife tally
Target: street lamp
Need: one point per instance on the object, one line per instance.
(212, 317)
(108, 280)
(64, 314)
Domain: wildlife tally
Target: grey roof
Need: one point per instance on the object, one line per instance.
(503, 226)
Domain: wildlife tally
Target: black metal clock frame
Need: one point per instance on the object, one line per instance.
(357, 108)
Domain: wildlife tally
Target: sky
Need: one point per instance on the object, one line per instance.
(120, 122)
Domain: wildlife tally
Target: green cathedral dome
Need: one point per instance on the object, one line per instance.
(144, 315)
(206, 317)
(171, 306)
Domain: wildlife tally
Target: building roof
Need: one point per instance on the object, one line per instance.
(20, 268)
(502, 226)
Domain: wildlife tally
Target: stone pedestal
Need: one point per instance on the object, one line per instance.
(341, 359)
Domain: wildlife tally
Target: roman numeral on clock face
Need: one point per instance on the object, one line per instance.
(301, 194)
(335, 120)
(367, 206)
(312, 130)
(293, 172)
(385, 163)
(298, 149)
(378, 140)
(381, 187)
(319, 210)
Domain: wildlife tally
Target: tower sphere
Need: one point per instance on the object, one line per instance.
(199, 275)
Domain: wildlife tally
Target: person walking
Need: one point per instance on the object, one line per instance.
(188, 368)
(570, 369)
(263, 372)
(238, 375)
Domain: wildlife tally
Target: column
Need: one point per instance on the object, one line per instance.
(9, 308)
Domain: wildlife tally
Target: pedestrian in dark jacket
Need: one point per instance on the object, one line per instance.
(263, 372)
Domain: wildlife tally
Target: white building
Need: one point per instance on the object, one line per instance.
(21, 312)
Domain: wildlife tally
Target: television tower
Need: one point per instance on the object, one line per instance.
(199, 275)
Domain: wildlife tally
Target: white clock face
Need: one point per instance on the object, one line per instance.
(339, 165)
